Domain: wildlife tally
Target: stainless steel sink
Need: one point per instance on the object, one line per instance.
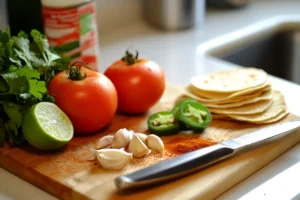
(272, 45)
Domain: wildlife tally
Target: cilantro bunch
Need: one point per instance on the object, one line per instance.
(27, 64)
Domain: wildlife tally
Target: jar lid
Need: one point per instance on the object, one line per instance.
(63, 3)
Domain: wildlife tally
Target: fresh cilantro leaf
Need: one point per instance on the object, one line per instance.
(23, 57)
(37, 62)
(43, 46)
(9, 47)
(15, 61)
(8, 31)
(15, 112)
(2, 49)
(26, 96)
(48, 75)
(37, 88)
(12, 68)
(12, 129)
(4, 37)
(20, 81)
(14, 133)
(16, 84)
(51, 57)
(22, 34)
(52, 61)
(22, 49)
(40, 40)
(28, 99)
(63, 64)
(4, 87)
(29, 73)
(2, 55)
(34, 48)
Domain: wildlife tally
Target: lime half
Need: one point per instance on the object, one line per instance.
(47, 127)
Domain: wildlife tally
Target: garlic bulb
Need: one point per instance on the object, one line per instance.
(155, 143)
(104, 141)
(137, 147)
(142, 136)
(122, 138)
(113, 159)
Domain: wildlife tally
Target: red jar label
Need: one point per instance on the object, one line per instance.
(73, 32)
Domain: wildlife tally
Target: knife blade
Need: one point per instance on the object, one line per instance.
(196, 160)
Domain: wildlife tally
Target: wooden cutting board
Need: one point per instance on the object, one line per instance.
(73, 172)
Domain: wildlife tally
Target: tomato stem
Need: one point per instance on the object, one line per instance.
(74, 72)
(130, 59)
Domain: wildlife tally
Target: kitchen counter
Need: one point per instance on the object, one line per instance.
(176, 52)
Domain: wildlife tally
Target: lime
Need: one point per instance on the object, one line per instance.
(47, 127)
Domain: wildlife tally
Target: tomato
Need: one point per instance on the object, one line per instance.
(140, 83)
(88, 98)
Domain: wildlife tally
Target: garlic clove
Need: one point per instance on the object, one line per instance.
(155, 143)
(137, 147)
(105, 141)
(113, 159)
(122, 138)
(142, 136)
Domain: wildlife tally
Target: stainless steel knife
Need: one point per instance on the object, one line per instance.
(192, 161)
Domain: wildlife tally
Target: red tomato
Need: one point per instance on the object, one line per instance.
(90, 103)
(139, 82)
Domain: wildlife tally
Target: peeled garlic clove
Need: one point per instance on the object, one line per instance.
(122, 138)
(137, 147)
(142, 136)
(113, 159)
(104, 141)
(155, 143)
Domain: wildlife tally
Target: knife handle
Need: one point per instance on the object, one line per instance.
(174, 167)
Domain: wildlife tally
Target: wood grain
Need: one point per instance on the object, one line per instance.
(73, 172)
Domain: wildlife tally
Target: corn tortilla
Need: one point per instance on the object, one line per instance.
(211, 95)
(271, 120)
(242, 95)
(275, 110)
(247, 94)
(267, 95)
(230, 81)
(253, 108)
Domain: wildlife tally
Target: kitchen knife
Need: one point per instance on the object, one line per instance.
(195, 160)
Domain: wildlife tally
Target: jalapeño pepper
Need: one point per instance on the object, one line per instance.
(163, 123)
(177, 106)
(194, 115)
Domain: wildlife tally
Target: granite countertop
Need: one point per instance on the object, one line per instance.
(176, 53)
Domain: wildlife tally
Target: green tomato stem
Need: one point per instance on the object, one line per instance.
(130, 59)
(74, 72)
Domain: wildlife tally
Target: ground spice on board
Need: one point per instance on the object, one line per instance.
(183, 145)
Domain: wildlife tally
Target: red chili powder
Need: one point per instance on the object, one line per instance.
(183, 145)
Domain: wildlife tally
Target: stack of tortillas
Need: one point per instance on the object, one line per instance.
(243, 94)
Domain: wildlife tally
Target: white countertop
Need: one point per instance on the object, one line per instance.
(176, 53)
